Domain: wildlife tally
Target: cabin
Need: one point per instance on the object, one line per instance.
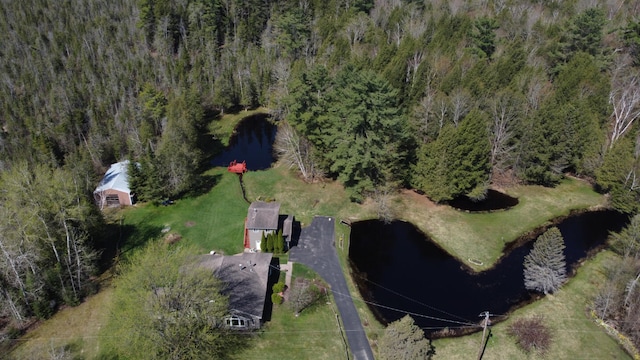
(113, 190)
(264, 218)
(246, 282)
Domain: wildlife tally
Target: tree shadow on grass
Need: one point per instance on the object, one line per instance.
(274, 277)
(120, 239)
(205, 183)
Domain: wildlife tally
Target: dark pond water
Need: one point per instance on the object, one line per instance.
(251, 142)
(495, 200)
(398, 267)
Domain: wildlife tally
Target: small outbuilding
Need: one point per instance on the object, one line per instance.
(113, 189)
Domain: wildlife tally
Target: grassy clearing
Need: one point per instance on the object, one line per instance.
(315, 334)
(483, 236)
(213, 221)
(302, 199)
(223, 126)
(77, 329)
(575, 335)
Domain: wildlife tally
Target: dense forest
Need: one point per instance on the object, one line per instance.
(447, 97)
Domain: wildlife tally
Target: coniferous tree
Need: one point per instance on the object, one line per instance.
(484, 36)
(457, 163)
(545, 268)
(403, 339)
(368, 135)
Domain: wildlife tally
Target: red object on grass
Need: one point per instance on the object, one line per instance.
(238, 168)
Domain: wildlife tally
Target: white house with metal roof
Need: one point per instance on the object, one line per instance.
(113, 189)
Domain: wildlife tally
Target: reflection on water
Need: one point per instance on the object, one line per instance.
(494, 200)
(252, 142)
(399, 267)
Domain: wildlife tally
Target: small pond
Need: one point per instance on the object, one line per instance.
(398, 267)
(493, 201)
(251, 142)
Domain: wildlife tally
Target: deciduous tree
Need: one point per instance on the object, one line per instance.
(166, 307)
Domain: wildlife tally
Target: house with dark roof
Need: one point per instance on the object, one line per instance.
(246, 282)
(113, 189)
(264, 218)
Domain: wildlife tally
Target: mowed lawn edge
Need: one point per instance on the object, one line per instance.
(575, 334)
(483, 236)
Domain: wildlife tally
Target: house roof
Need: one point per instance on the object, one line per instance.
(245, 277)
(116, 178)
(263, 215)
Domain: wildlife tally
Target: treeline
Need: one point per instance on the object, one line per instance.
(618, 299)
(444, 96)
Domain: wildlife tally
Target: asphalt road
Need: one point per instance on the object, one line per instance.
(316, 249)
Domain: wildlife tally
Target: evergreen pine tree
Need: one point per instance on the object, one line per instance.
(263, 243)
(545, 266)
(403, 339)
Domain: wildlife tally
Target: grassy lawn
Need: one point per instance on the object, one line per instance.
(213, 221)
(483, 236)
(575, 335)
(77, 329)
(301, 199)
(315, 334)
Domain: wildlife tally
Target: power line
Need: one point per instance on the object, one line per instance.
(404, 311)
(416, 301)
(467, 323)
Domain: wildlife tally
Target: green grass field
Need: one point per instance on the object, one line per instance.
(483, 236)
(575, 334)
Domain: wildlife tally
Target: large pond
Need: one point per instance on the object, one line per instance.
(397, 267)
(251, 142)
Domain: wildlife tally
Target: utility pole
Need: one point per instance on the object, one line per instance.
(486, 322)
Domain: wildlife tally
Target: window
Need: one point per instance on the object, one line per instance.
(112, 200)
(236, 322)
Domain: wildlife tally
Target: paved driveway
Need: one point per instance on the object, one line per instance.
(316, 249)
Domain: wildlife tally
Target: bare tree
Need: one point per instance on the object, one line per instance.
(383, 198)
(303, 294)
(532, 334)
(460, 105)
(356, 29)
(424, 113)
(415, 23)
(442, 109)
(296, 151)
(504, 112)
(625, 100)
(413, 64)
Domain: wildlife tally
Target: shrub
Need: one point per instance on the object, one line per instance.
(263, 243)
(303, 294)
(532, 334)
(276, 299)
(278, 287)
